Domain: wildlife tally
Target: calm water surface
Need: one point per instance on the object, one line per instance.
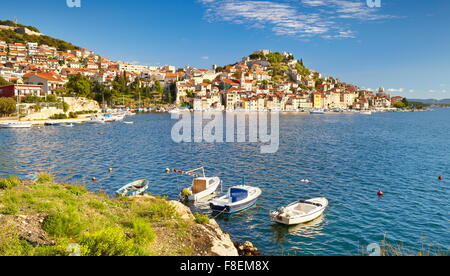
(347, 158)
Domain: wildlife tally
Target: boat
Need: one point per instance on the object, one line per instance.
(201, 187)
(68, 125)
(367, 112)
(52, 124)
(97, 119)
(129, 123)
(114, 117)
(317, 112)
(300, 212)
(16, 125)
(135, 188)
(238, 198)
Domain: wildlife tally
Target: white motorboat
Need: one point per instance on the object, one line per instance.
(114, 117)
(201, 187)
(366, 112)
(238, 198)
(317, 112)
(300, 212)
(16, 125)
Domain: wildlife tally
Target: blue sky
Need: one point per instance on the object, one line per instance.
(402, 45)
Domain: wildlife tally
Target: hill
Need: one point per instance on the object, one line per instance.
(13, 24)
(431, 101)
(9, 35)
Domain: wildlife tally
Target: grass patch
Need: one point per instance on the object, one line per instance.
(102, 226)
(159, 210)
(10, 210)
(77, 190)
(44, 178)
(201, 219)
(9, 183)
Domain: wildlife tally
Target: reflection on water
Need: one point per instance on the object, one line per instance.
(308, 230)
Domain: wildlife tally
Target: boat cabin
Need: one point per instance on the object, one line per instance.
(202, 184)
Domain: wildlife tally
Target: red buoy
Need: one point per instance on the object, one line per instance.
(440, 178)
(380, 193)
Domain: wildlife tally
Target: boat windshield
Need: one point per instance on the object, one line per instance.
(238, 194)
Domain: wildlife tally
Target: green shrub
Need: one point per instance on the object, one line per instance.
(201, 219)
(142, 231)
(65, 107)
(108, 242)
(73, 115)
(9, 183)
(7, 106)
(44, 178)
(61, 116)
(66, 224)
(52, 99)
(85, 112)
(32, 99)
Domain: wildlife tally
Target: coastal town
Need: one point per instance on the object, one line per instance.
(262, 81)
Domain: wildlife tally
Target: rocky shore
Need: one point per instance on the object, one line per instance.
(46, 218)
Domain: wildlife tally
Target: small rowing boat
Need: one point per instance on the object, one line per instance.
(238, 198)
(300, 212)
(135, 188)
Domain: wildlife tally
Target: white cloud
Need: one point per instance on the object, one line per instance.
(400, 90)
(298, 18)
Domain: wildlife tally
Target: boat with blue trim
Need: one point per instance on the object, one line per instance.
(135, 188)
(238, 198)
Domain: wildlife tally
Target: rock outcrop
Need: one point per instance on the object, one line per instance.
(209, 239)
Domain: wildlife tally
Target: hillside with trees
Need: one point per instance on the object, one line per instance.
(10, 36)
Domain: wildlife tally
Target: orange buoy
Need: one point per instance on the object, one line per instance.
(94, 179)
(440, 178)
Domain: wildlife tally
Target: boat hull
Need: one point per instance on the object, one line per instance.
(300, 219)
(199, 196)
(232, 209)
(16, 125)
(224, 205)
(297, 220)
(134, 189)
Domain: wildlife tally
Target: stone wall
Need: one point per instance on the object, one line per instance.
(44, 114)
(81, 104)
(75, 105)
